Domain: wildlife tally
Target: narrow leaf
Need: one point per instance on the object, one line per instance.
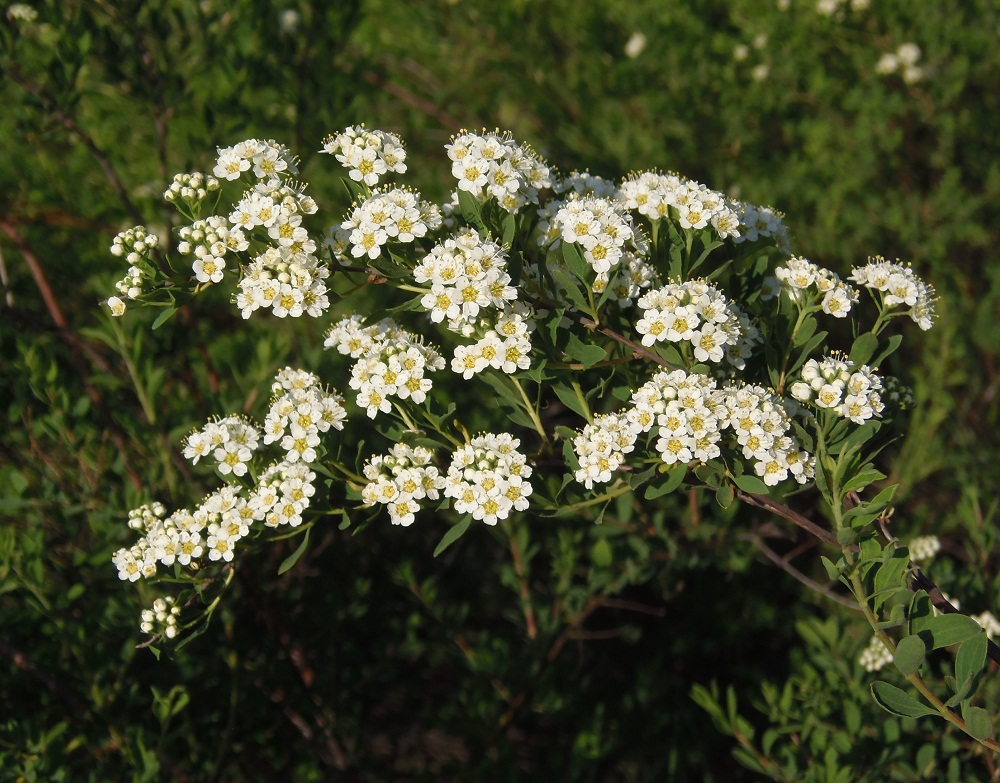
(863, 348)
(898, 702)
(674, 479)
(163, 317)
(293, 558)
(454, 533)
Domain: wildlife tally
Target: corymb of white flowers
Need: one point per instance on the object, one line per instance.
(552, 289)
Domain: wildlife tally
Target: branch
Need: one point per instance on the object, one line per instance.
(783, 511)
(788, 568)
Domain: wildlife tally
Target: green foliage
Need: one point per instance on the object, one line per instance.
(356, 652)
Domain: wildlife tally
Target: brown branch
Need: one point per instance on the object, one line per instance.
(786, 566)
(22, 662)
(87, 140)
(524, 589)
(783, 511)
(435, 112)
(75, 344)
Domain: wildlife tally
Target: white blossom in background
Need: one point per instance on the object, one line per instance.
(493, 165)
(875, 656)
(635, 45)
(488, 478)
(368, 155)
(897, 285)
(400, 480)
(21, 12)
(923, 548)
(904, 61)
(988, 622)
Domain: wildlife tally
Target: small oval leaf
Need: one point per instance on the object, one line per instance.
(899, 702)
(910, 654)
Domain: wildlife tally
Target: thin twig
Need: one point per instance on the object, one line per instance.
(783, 511)
(784, 564)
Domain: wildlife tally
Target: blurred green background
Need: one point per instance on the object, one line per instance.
(371, 660)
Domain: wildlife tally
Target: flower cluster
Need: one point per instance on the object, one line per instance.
(209, 240)
(391, 362)
(284, 492)
(701, 315)
(367, 154)
(230, 441)
(490, 164)
(600, 227)
(875, 655)
(635, 276)
(835, 8)
(472, 290)
(191, 188)
(836, 384)
(400, 479)
(21, 12)
(488, 478)
(136, 245)
(395, 214)
(161, 618)
(300, 410)
(897, 285)
(694, 205)
(691, 416)
(759, 222)
(811, 286)
(265, 160)
(923, 548)
(904, 60)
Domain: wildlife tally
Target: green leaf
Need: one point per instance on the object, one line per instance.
(588, 355)
(910, 654)
(863, 348)
(571, 286)
(899, 702)
(575, 261)
(751, 484)
(163, 317)
(945, 630)
(978, 721)
(863, 479)
(454, 533)
(832, 570)
(568, 398)
(600, 553)
(890, 577)
(816, 340)
(293, 558)
(971, 658)
(887, 348)
(806, 330)
(472, 211)
(724, 495)
(675, 477)
(509, 229)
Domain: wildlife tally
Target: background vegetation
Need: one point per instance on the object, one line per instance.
(371, 660)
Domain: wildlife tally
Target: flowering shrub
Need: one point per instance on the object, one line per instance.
(629, 340)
